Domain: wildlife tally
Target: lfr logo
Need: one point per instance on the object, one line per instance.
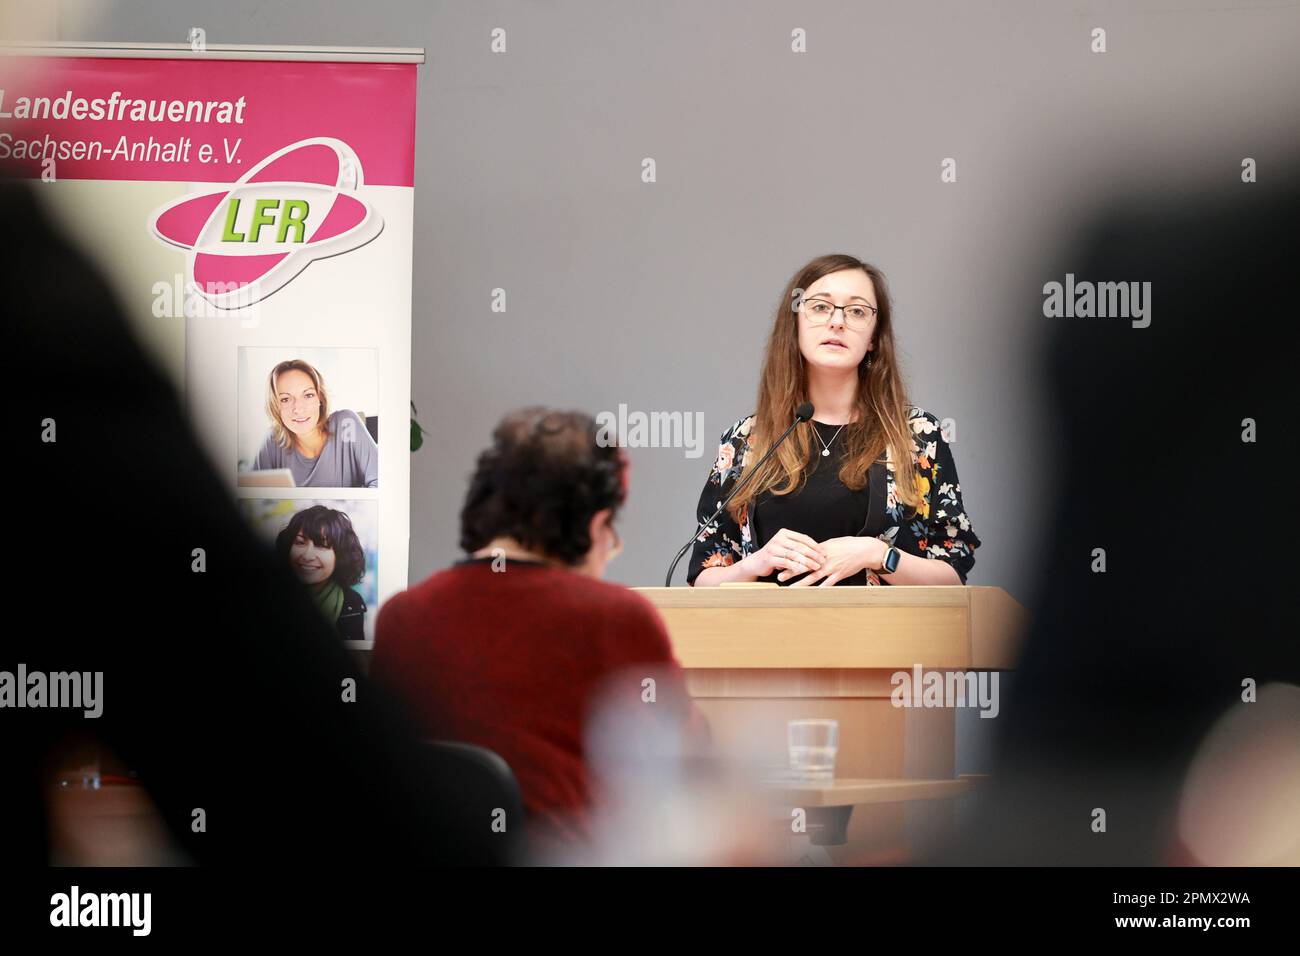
(248, 240)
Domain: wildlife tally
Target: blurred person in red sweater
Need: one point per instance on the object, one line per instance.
(511, 648)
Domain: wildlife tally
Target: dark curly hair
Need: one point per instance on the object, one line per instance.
(545, 475)
(327, 528)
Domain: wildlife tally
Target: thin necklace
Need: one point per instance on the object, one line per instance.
(826, 445)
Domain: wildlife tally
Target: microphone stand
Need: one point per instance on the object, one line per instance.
(799, 417)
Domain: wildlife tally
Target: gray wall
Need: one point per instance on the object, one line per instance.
(659, 296)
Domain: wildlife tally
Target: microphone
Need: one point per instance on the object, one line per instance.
(801, 414)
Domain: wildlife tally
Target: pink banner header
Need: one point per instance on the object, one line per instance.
(201, 120)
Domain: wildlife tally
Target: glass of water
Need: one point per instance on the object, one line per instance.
(813, 744)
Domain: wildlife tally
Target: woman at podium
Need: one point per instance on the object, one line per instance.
(866, 492)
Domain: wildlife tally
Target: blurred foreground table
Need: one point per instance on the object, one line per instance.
(758, 657)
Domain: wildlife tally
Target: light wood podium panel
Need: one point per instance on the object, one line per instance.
(974, 628)
(758, 657)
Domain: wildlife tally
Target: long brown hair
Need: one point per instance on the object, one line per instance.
(880, 407)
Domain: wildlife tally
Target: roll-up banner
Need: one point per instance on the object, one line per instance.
(267, 195)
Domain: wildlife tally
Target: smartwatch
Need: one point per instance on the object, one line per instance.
(890, 564)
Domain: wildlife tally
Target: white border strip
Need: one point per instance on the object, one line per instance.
(215, 51)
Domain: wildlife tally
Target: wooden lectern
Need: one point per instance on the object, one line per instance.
(757, 657)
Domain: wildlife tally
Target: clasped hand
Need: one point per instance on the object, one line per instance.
(791, 553)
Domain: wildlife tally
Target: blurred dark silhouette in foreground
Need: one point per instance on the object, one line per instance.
(1124, 672)
(223, 689)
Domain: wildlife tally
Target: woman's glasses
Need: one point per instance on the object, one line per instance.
(819, 312)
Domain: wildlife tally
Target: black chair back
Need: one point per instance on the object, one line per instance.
(484, 793)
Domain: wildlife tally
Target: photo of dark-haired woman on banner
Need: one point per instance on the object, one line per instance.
(326, 555)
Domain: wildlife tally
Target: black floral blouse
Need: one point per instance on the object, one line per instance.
(938, 529)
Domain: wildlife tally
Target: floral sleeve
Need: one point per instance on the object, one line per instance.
(725, 541)
(942, 526)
